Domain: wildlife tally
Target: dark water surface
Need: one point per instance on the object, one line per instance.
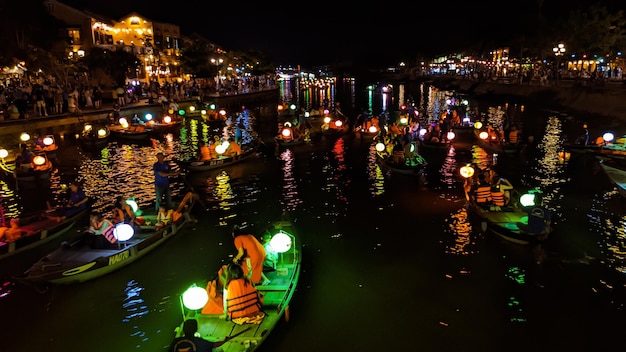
(390, 262)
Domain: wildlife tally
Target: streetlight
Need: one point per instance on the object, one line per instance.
(217, 63)
(558, 50)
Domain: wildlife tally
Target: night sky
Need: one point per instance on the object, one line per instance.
(337, 32)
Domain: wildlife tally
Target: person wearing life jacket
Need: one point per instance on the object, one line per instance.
(513, 135)
(122, 212)
(164, 216)
(11, 233)
(204, 153)
(242, 301)
(100, 231)
(482, 191)
(250, 254)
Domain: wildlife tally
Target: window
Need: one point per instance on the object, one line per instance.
(73, 36)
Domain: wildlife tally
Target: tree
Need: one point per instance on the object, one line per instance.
(594, 30)
(107, 66)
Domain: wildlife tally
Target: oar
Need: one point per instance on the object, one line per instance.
(228, 338)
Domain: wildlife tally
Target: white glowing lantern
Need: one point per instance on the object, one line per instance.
(423, 131)
(123, 121)
(48, 140)
(380, 146)
(467, 171)
(478, 125)
(24, 137)
(168, 119)
(195, 298)
(483, 135)
(451, 135)
(608, 137)
(373, 129)
(203, 112)
(327, 119)
(3, 153)
(281, 242)
(123, 232)
(326, 112)
(527, 200)
(87, 127)
(307, 114)
(39, 160)
(102, 132)
(220, 148)
(403, 120)
(286, 132)
(222, 112)
(292, 106)
(338, 123)
(148, 117)
(192, 108)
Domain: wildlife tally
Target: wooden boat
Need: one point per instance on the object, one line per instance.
(94, 138)
(132, 132)
(277, 296)
(493, 144)
(221, 161)
(77, 262)
(407, 167)
(39, 170)
(464, 137)
(333, 125)
(500, 220)
(37, 229)
(616, 175)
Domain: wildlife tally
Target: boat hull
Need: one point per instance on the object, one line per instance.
(222, 161)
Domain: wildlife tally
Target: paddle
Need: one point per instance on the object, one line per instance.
(228, 338)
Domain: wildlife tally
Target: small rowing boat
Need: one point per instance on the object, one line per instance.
(616, 175)
(215, 163)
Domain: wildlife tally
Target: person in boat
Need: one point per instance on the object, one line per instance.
(234, 149)
(99, 227)
(242, 302)
(481, 191)
(11, 233)
(122, 212)
(164, 216)
(162, 173)
(250, 254)
(189, 342)
(204, 152)
(77, 201)
(539, 220)
(271, 256)
(25, 159)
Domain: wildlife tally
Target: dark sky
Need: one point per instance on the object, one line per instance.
(382, 33)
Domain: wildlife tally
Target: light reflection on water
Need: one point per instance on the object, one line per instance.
(290, 196)
(611, 225)
(375, 174)
(460, 240)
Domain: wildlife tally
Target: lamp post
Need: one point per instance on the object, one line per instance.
(558, 50)
(217, 63)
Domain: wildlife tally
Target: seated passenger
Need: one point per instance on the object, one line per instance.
(204, 153)
(164, 216)
(242, 301)
(482, 190)
(100, 232)
(12, 233)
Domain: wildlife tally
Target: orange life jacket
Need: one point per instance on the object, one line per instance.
(242, 299)
(205, 153)
(483, 194)
(497, 198)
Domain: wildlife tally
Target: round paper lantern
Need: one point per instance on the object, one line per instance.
(123, 232)
(527, 200)
(48, 140)
(195, 298)
(467, 171)
(327, 119)
(338, 123)
(39, 160)
(281, 242)
(608, 137)
(3, 153)
(478, 125)
(87, 127)
(24, 137)
(102, 132)
(168, 118)
(286, 132)
(483, 135)
(380, 146)
(373, 129)
(451, 135)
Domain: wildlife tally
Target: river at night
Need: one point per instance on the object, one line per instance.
(390, 261)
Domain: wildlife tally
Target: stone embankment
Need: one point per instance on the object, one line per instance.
(608, 100)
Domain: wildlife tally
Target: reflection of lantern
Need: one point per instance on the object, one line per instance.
(195, 297)
(373, 129)
(102, 132)
(327, 119)
(48, 140)
(3, 153)
(450, 136)
(24, 137)
(478, 125)
(39, 160)
(467, 171)
(168, 119)
(380, 146)
(483, 135)
(123, 232)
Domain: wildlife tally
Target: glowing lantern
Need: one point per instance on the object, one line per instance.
(168, 118)
(87, 127)
(372, 129)
(222, 112)
(292, 106)
(195, 298)
(527, 200)
(123, 232)
(412, 148)
(203, 112)
(148, 117)
(467, 171)
(478, 125)
(281, 242)
(327, 119)
(326, 112)
(451, 135)
(48, 140)
(39, 160)
(338, 123)
(221, 148)
(286, 132)
(102, 132)
(192, 108)
(403, 120)
(24, 137)
(423, 131)
(133, 204)
(608, 137)
(3, 153)
(170, 111)
(181, 112)
(483, 135)
(307, 114)
(280, 108)
(380, 146)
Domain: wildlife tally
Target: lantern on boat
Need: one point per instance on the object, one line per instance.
(39, 160)
(483, 135)
(327, 119)
(467, 171)
(3, 153)
(222, 113)
(423, 132)
(87, 127)
(102, 132)
(123, 122)
(24, 137)
(195, 297)
(608, 137)
(307, 114)
(123, 232)
(168, 118)
(527, 200)
(380, 146)
(338, 123)
(148, 117)
(292, 106)
(404, 120)
(281, 243)
(192, 108)
(372, 129)
(221, 148)
(450, 135)
(181, 112)
(202, 112)
(478, 125)
(48, 140)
